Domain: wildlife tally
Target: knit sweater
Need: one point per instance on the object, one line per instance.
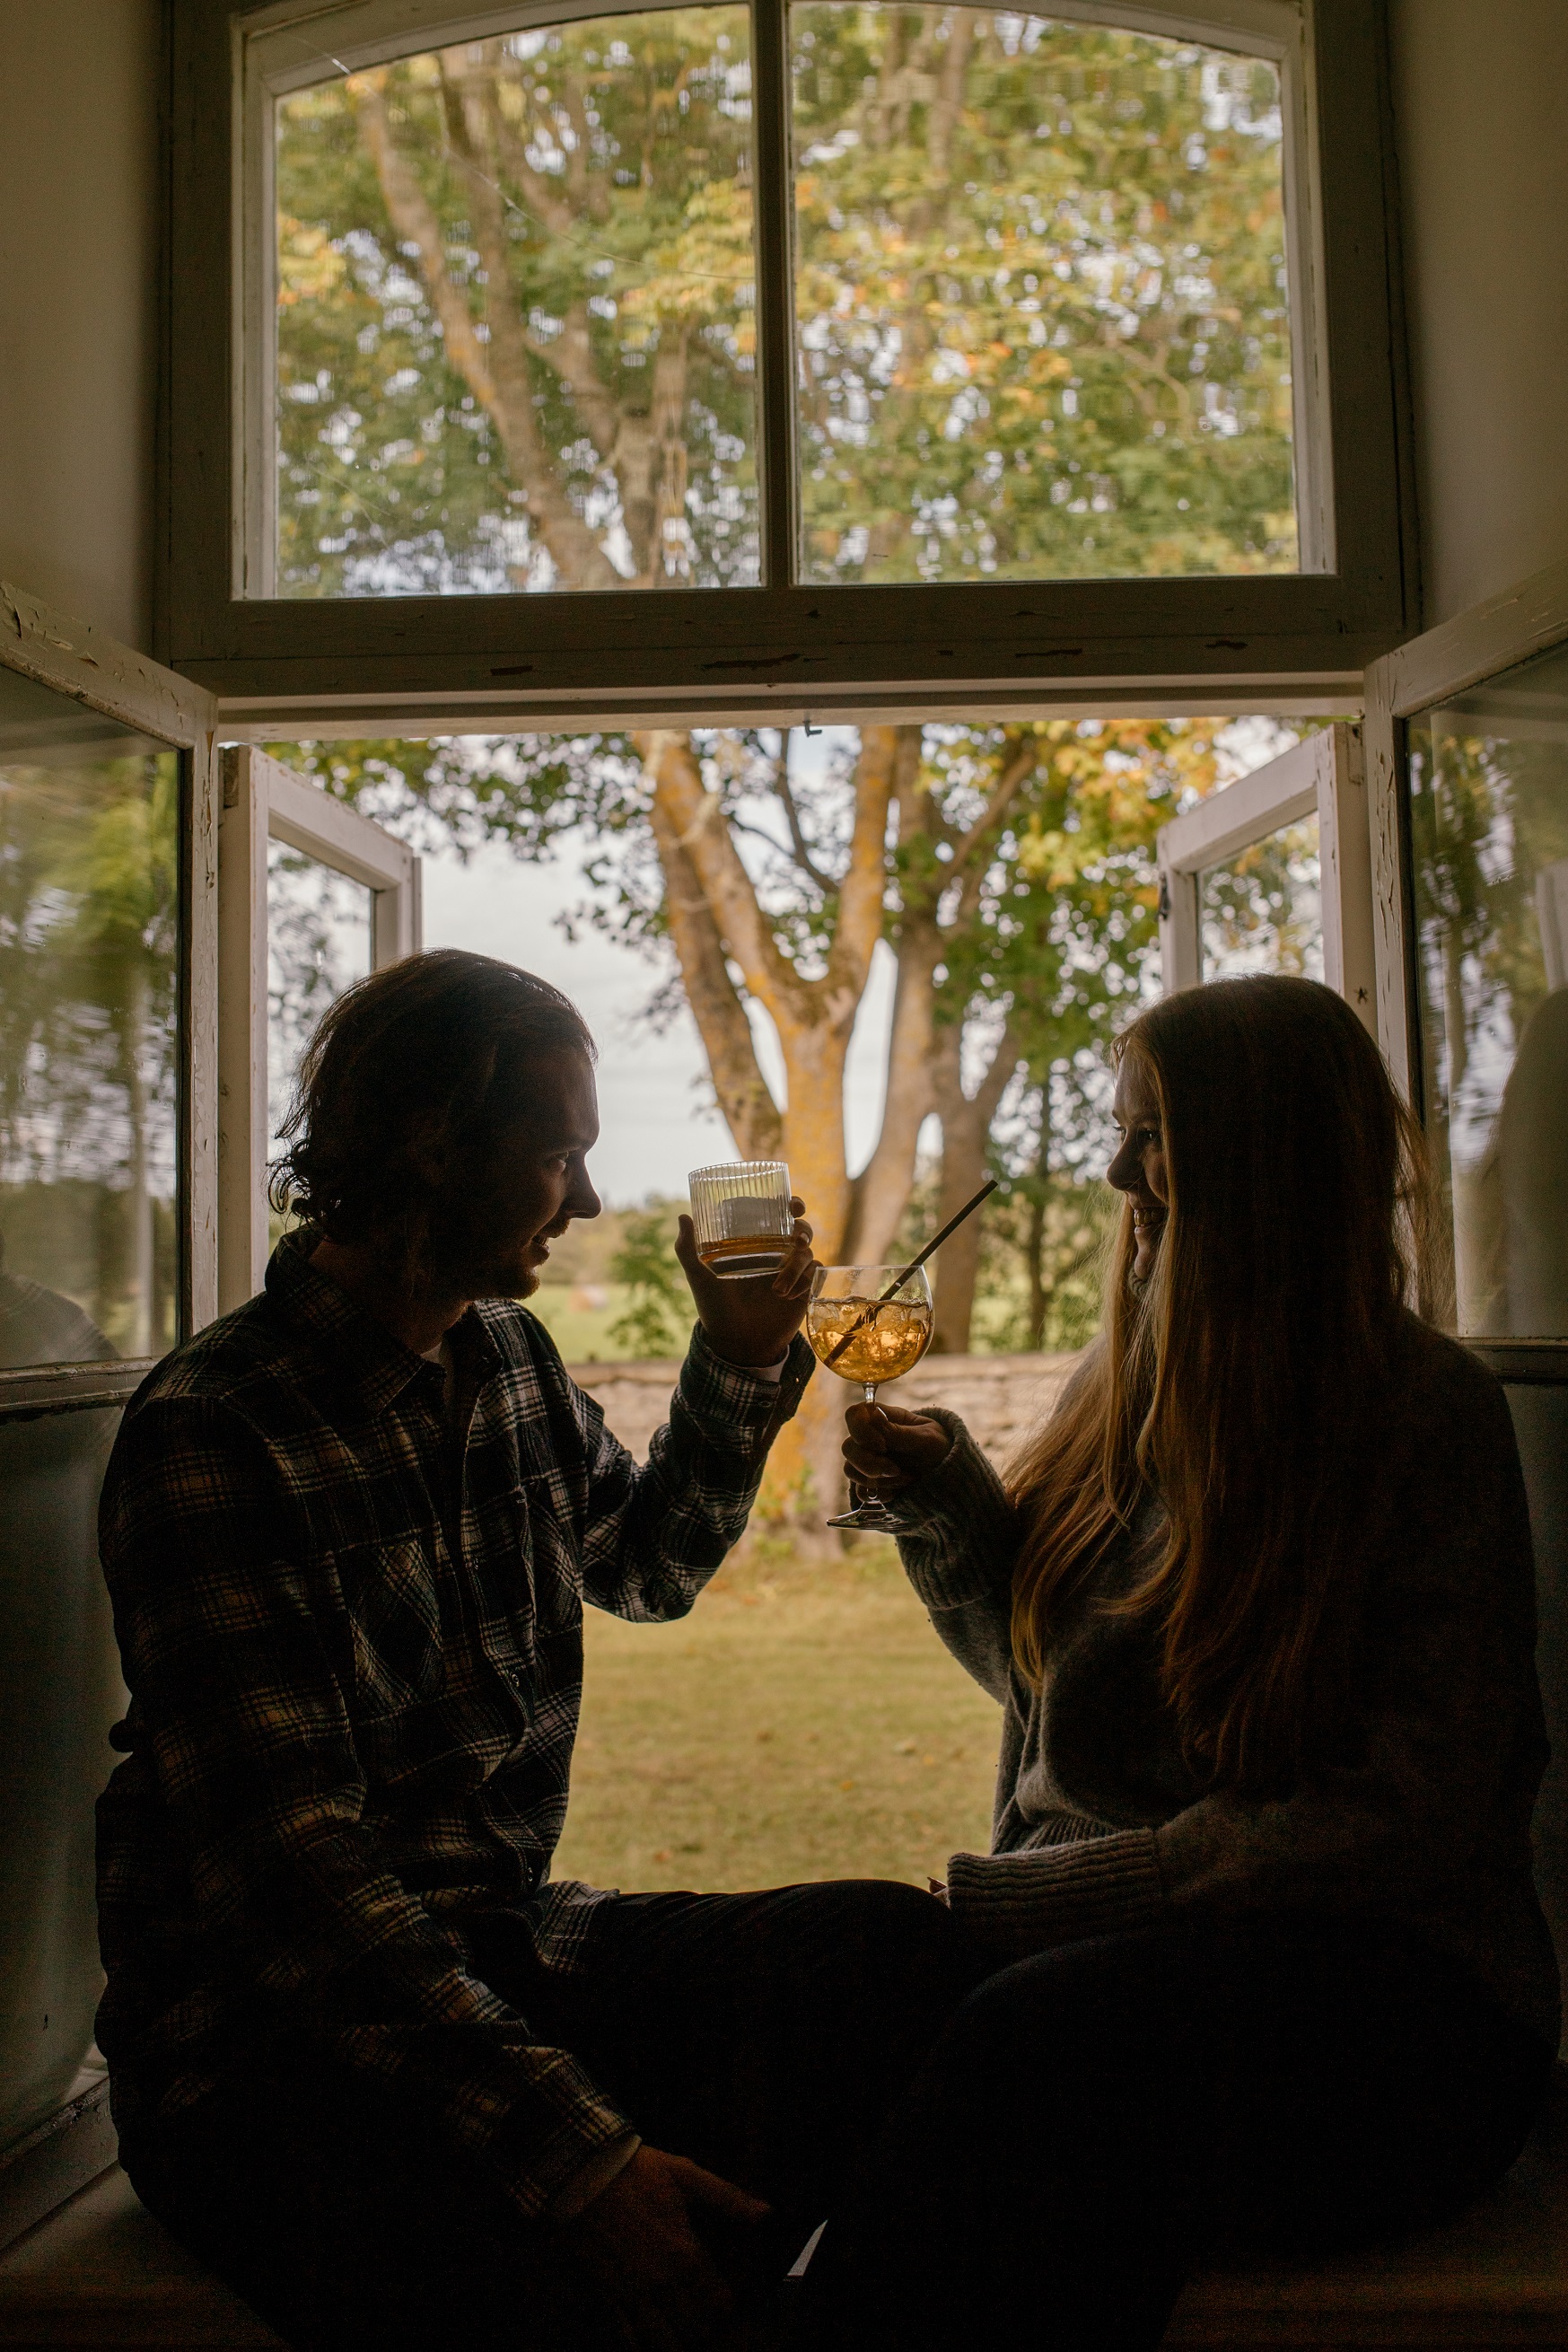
(1101, 1825)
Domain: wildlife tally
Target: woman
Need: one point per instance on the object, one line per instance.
(1258, 1604)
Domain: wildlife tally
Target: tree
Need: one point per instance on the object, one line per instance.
(89, 913)
(1040, 291)
(1009, 868)
(1043, 301)
(1041, 316)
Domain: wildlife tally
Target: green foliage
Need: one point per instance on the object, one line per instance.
(1043, 1239)
(1040, 294)
(89, 980)
(1043, 299)
(1489, 819)
(658, 1316)
(1064, 920)
(1262, 911)
(580, 196)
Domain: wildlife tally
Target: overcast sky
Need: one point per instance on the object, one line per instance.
(651, 1088)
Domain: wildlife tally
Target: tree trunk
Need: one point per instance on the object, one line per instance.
(965, 1131)
(883, 1187)
(747, 1108)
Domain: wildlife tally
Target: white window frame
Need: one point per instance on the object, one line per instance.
(784, 652)
(1323, 775)
(263, 801)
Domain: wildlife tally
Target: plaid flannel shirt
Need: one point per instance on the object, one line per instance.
(351, 1618)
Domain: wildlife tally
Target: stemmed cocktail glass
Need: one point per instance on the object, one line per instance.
(866, 1324)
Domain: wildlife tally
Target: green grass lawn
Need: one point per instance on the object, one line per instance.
(581, 1332)
(803, 1722)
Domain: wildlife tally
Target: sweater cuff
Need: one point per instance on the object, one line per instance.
(1019, 1903)
(960, 1519)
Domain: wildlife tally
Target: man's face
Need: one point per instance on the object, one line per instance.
(507, 1198)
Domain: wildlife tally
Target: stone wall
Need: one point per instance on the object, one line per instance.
(1001, 1397)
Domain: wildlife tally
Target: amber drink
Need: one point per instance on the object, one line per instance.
(740, 1211)
(868, 1326)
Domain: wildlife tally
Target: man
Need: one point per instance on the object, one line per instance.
(393, 2080)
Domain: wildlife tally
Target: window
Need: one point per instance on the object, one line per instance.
(782, 357)
(89, 1039)
(103, 1195)
(1274, 875)
(1489, 854)
(310, 898)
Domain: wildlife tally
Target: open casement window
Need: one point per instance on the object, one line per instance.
(106, 1170)
(774, 358)
(312, 896)
(1274, 874)
(1468, 733)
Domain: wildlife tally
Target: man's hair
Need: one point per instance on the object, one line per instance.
(408, 1069)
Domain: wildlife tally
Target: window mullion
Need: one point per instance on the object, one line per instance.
(775, 307)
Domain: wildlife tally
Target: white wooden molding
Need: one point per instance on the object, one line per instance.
(1392, 945)
(1474, 646)
(1344, 857)
(98, 671)
(204, 1108)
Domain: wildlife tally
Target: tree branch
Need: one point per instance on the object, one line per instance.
(416, 224)
(1011, 782)
(698, 821)
(863, 889)
(748, 1107)
(803, 858)
(499, 378)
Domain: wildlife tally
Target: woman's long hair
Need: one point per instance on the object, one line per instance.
(1242, 1381)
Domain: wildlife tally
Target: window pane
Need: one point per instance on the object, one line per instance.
(516, 315)
(1262, 910)
(319, 940)
(1489, 819)
(1040, 289)
(89, 1042)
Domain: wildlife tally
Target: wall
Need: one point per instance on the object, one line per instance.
(1001, 1397)
(78, 310)
(1481, 133)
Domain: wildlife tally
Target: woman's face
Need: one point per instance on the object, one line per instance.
(1139, 1167)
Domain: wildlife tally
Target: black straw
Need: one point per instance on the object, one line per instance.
(902, 1277)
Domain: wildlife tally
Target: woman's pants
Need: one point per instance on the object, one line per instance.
(1096, 2121)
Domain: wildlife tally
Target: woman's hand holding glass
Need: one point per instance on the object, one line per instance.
(888, 1448)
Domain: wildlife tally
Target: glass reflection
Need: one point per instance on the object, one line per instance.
(318, 941)
(516, 315)
(1262, 910)
(1489, 817)
(59, 1693)
(88, 991)
(1042, 299)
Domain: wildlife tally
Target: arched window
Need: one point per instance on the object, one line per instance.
(778, 357)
